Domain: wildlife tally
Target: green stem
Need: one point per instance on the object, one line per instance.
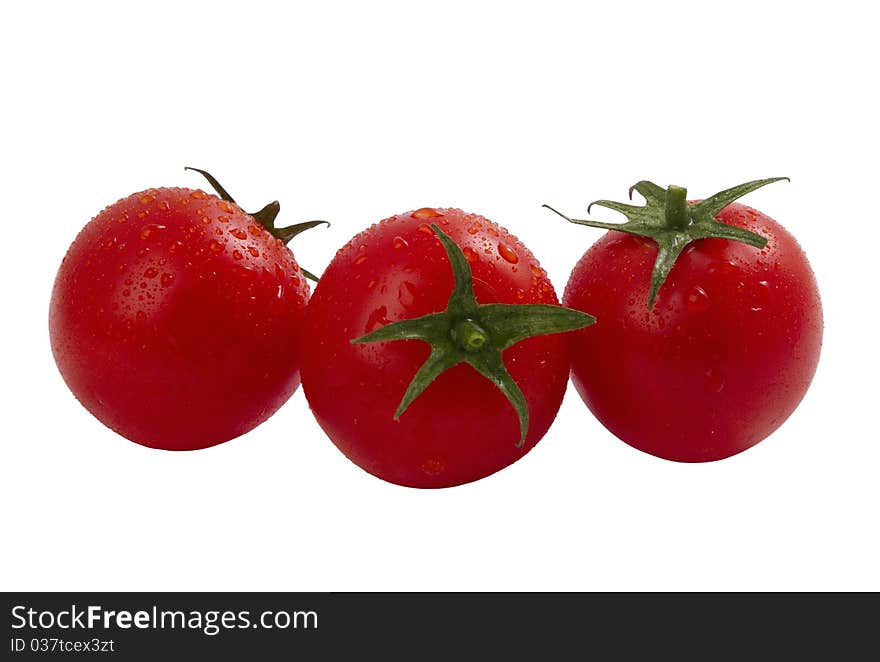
(669, 220)
(677, 216)
(265, 217)
(469, 335)
(468, 332)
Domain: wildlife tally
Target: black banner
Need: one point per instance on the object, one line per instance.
(149, 626)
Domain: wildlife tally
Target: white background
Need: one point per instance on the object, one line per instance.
(355, 111)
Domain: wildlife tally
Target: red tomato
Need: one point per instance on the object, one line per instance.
(721, 360)
(461, 428)
(175, 319)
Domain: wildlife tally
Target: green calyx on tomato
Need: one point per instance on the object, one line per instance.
(476, 334)
(669, 220)
(266, 217)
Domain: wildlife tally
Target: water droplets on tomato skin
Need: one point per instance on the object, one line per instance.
(433, 466)
(470, 254)
(166, 280)
(426, 213)
(406, 293)
(150, 229)
(360, 260)
(399, 243)
(713, 380)
(215, 246)
(508, 253)
(697, 300)
(238, 233)
(151, 272)
(377, 319)
(253, 251)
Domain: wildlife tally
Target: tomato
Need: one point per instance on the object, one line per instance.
(725, 353)
(175, 318)
(463, 426)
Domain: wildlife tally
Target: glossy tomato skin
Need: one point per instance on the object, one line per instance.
(720, 362)
(175, 319)
(461, 428)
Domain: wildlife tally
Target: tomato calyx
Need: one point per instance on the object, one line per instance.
(673, 223)
(476, 334)
(266, 217)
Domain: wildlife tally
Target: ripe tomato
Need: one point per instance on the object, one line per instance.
(175, 318)
(461, 427)
(724, 355)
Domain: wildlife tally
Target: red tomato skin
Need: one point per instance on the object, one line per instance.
(175, 317)
(720, 362)
(461, 428)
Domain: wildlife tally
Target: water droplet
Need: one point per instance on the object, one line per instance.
(172, 248)
(360, 260)
(215, 246)
(198, 194)
(492, 231)
(377, 319)
(426, 212)
(238, 233)
(537, 270)
(253, 251)
(167, 279)
(713, 381)
(222, 219)
(371, 284)
(126, 292)
(433, 466)
(470, 254)
(255, 230)
(425, 228)
(141, 315)
(237, 254)
(225, 206)
(520, 294)
(507, 253)
(406, 294)
(163, 205)
(150, 229)
(697, 301)
(399, 242)
(151, 272)
(473, 229)
(146, 199)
